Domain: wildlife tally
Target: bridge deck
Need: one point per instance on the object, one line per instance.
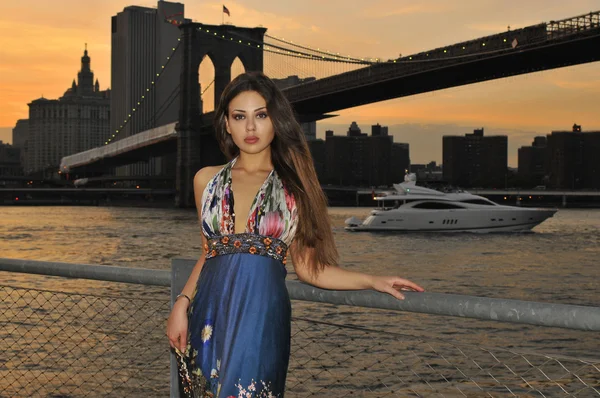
(137, 141)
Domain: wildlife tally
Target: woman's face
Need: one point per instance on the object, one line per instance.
(248, 122)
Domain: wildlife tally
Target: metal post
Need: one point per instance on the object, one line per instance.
(180, 272)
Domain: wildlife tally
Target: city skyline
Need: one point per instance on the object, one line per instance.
(520, 107)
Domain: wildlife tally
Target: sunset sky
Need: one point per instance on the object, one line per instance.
(41, 43)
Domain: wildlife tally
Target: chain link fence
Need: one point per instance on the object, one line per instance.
(69, 344)
(57, 344)
(337, 360)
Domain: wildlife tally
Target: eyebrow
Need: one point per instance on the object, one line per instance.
(243, 111)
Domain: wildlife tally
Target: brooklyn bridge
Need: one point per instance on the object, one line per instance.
(340, 82)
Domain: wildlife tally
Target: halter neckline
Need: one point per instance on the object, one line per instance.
(254, 201)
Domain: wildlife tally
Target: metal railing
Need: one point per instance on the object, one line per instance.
(574, 25)
(110, 341)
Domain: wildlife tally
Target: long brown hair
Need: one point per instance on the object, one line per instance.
(292, 162)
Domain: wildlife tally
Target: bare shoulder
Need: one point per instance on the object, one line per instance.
(204, 175)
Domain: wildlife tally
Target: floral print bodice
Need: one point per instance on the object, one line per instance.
(273, 212)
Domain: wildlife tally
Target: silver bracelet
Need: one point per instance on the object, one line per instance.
(180, 295)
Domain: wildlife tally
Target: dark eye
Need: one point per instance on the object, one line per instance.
(238, 116)
(262, 115)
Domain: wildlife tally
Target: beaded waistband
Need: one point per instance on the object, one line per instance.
(247, 243)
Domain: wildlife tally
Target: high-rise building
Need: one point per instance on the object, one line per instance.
(475, 160)
(361, 160)
(532, 162)
(573, 161)
(143, 40)
(20, 134)
(379, 130)
(381, 161)
(77, 121)
(10, 160)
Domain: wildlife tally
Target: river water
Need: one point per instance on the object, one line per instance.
(557, 262)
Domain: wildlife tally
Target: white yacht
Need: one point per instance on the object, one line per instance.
(414, 208)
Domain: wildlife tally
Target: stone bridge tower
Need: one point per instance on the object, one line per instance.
(196, 145)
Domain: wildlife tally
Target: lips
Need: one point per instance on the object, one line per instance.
(251, 140)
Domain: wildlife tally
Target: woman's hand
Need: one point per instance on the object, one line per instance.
(393, 285)
(177, 325)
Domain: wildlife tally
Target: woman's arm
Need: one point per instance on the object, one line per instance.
(177, 324)
(201, 178)
(336, 278)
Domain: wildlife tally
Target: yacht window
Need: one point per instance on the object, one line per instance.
(436, 206)
(479, 202)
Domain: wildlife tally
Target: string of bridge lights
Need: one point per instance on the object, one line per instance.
(287, 53)
(422, 57)
(513, 44)
(284, 51)
(318, 50)
(336, 57)
(145, 92)
(399, 60)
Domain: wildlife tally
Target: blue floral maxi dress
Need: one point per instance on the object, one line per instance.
(239, 318)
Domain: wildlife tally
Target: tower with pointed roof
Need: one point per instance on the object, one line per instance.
(84, 85)
(85, 77)
(77, 121)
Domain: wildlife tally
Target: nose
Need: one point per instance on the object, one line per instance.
(250, 126)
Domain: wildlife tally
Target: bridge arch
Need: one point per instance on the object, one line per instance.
(237, 67)
(206, 80)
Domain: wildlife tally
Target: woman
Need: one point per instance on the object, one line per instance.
(232, 318)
